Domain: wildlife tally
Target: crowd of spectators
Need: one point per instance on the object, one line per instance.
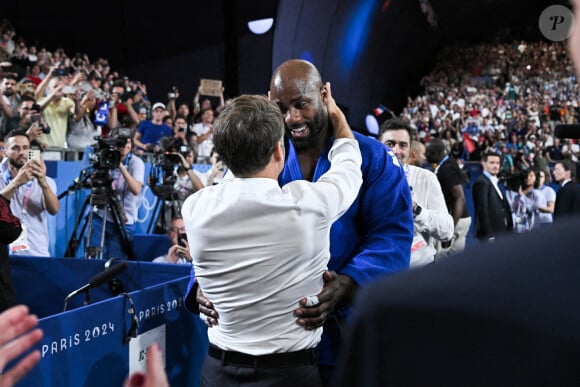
(76, 98)
(505, 98)
(61, 103)
(500, 97)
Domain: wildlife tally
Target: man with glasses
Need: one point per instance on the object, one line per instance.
(179, 250)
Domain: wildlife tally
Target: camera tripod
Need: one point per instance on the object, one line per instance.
(102, 198)
(167, 206)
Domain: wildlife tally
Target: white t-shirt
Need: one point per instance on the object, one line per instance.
(434, 222)
(28, 205)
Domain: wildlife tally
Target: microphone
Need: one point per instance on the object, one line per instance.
(106, 275)
(98, 280)
(567, 131)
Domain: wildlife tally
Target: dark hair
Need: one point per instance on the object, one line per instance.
(246, 133)
(489, 154)
(435, 150)
(537, 182)
(569, 165)
(27, 97)
(16, 132)
(11, 76)
(397, 123)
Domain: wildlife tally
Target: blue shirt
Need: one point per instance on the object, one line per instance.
(152, 133)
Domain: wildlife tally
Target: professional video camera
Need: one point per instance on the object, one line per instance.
(105, 158)
(166, 161)
(163, 182)
(106, 153)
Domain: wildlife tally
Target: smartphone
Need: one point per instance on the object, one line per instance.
(181, 239)
(34, 154)
(35, 117)
(69, 90)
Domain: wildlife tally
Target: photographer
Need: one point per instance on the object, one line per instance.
(27, 117)
(82, 130)
(126, 184)
(121, 111)
(179, 250)
(174, 167)
(56, 109)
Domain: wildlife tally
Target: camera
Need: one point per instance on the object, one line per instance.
(181, 240)
(125, 96)
(69, 90)
(166, 162)
(35, 117)
(173, 93)
(106, 155)
(106, 151)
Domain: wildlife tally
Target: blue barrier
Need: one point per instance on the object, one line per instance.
(61, 226)
(87, 345)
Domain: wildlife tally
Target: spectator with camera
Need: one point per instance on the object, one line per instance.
(127, 181)
(179, 249)
(82, 130)
(204, 132)
(56, 109)
(32, 194)
(525, 201)
(180, 131)
(121, 111)
(27, 116)
(216, 173)
(149, 132)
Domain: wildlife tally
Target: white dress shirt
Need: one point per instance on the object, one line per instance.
(434, 222)
(258, 249)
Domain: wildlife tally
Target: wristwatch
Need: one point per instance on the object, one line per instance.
(417, 210)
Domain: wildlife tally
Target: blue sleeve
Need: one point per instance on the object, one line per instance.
(382, 217)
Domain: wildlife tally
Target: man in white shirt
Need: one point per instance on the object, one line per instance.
(431, 218)
(259, 248)
(31, 193)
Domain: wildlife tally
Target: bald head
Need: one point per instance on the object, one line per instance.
(297, 73)
(417, 155)
(296, 86)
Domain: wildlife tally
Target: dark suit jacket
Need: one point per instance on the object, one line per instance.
(499, 314)
(567, 200)
(493, 214)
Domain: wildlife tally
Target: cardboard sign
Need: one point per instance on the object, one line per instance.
(211, 87)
